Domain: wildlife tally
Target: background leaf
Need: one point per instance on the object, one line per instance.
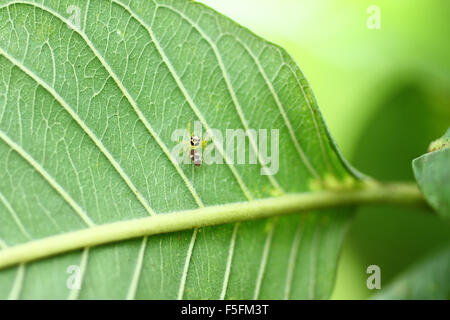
(432, 172)
(429, 279)
(391, 237)
(86, 118)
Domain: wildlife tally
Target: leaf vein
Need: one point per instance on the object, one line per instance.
(18, 283)
(26, 156)
(14, 216)
(131, 295)
(292, 261)
(229, 261)
(264, 259)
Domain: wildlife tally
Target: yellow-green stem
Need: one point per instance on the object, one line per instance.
(374, 193)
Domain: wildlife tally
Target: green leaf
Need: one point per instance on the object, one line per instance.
(432, 172)
(429, 279)
(86, 118)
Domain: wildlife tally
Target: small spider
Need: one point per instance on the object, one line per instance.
(196, 147)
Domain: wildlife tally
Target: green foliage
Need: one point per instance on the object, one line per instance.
(86, 117)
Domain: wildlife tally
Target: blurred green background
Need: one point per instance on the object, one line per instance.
(384, 93)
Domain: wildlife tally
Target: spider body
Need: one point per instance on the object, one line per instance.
(195, 141)
(196, 157)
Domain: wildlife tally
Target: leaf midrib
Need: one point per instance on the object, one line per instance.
(404, 194)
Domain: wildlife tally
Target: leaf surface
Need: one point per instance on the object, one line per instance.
(86, 117)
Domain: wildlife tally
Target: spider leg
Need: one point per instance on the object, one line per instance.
(205, 142)
(189, 128)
